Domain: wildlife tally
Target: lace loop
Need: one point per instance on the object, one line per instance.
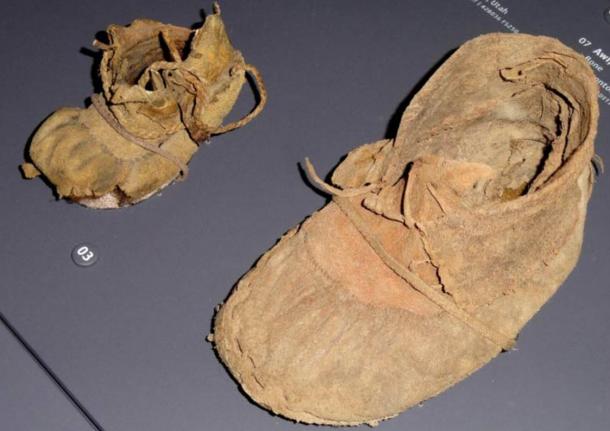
(262, 93)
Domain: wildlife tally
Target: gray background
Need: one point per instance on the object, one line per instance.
(127, 335)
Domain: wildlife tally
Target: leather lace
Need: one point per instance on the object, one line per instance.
(154, 145)
(341, 198)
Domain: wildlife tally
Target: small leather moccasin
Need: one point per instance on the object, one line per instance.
(437, 247)
(165, 89)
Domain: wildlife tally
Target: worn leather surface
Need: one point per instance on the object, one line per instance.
(164, 84)
(482, 195)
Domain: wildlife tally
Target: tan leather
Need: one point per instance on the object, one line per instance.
(437, 249)
(165, 89)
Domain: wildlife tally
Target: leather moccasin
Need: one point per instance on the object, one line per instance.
(437, 247)
(165, 89)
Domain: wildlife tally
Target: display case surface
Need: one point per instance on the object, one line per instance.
(127, 335)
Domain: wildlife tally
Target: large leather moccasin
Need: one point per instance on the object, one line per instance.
(437, 247)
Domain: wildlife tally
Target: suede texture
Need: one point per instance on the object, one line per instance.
(482, 195)
(167, 86)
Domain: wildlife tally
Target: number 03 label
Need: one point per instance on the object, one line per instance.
(84, 254)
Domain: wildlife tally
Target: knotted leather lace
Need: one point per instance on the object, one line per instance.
(341, 198)
(154, 145)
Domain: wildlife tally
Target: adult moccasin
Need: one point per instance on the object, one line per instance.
(165, 89)
(437, 247)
